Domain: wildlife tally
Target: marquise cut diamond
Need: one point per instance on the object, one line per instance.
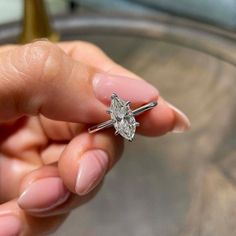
(122, 115)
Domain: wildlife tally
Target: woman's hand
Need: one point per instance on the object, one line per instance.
(49, 95)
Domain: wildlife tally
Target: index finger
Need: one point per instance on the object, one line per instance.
(39, 78)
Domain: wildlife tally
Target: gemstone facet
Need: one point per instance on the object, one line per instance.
(123, 118)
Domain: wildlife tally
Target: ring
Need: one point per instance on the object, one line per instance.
(122, 117)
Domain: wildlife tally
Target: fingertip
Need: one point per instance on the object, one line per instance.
(42, 191)
(162, 119)
(87, 158)
(39, 197)
(11, 219)
(92, 168)
(182, 122)
(10, 224)
(15, 221)
(157, 121)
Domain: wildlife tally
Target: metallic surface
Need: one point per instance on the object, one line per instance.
(109, 123)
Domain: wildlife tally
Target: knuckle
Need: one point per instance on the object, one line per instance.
(44, 59)
(26, 71)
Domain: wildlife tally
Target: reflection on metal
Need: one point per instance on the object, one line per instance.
(36, 22)
(208, 39)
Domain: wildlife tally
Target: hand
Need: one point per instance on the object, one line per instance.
(49, 95)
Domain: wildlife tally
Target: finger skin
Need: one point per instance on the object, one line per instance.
(159, 121)
(69, 160)
(92, 55)
(36, 76)
(44, 194)
(36, 196)
(31, 225)
(72, 154)
(40, 78)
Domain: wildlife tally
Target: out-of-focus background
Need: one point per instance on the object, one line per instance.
(179, 184)
(220, 12)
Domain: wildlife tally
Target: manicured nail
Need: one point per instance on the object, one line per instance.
(10, 225)
(130, 89)
(43, 195)
(182, 123)
(92, 168)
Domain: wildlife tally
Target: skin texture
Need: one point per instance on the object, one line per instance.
(48, 99)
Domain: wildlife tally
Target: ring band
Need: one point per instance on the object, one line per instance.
(122, 117)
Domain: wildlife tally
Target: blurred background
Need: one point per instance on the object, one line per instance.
(179, 184)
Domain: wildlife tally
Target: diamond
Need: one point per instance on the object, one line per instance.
(122, 115)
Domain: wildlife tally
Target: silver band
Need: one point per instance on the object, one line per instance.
(110, 123)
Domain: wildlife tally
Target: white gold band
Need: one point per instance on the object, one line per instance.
(122, 117)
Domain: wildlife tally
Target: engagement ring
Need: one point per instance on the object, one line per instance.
(122, 117)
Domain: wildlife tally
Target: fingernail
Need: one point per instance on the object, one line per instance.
(130, 89)
(92, 168)
(43, 195)
(182, 122)
(10, 225)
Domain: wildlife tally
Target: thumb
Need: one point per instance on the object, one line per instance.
(41, 78)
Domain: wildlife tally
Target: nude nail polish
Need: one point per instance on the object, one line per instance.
(43, 195)
(182, 122)
(129, 89)
(92, 168)
(10, 225)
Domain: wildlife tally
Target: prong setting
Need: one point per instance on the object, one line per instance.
(121, 114)
(127, 103)
(122, 117)
(113, 96)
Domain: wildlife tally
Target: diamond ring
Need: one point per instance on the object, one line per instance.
(122, 117)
